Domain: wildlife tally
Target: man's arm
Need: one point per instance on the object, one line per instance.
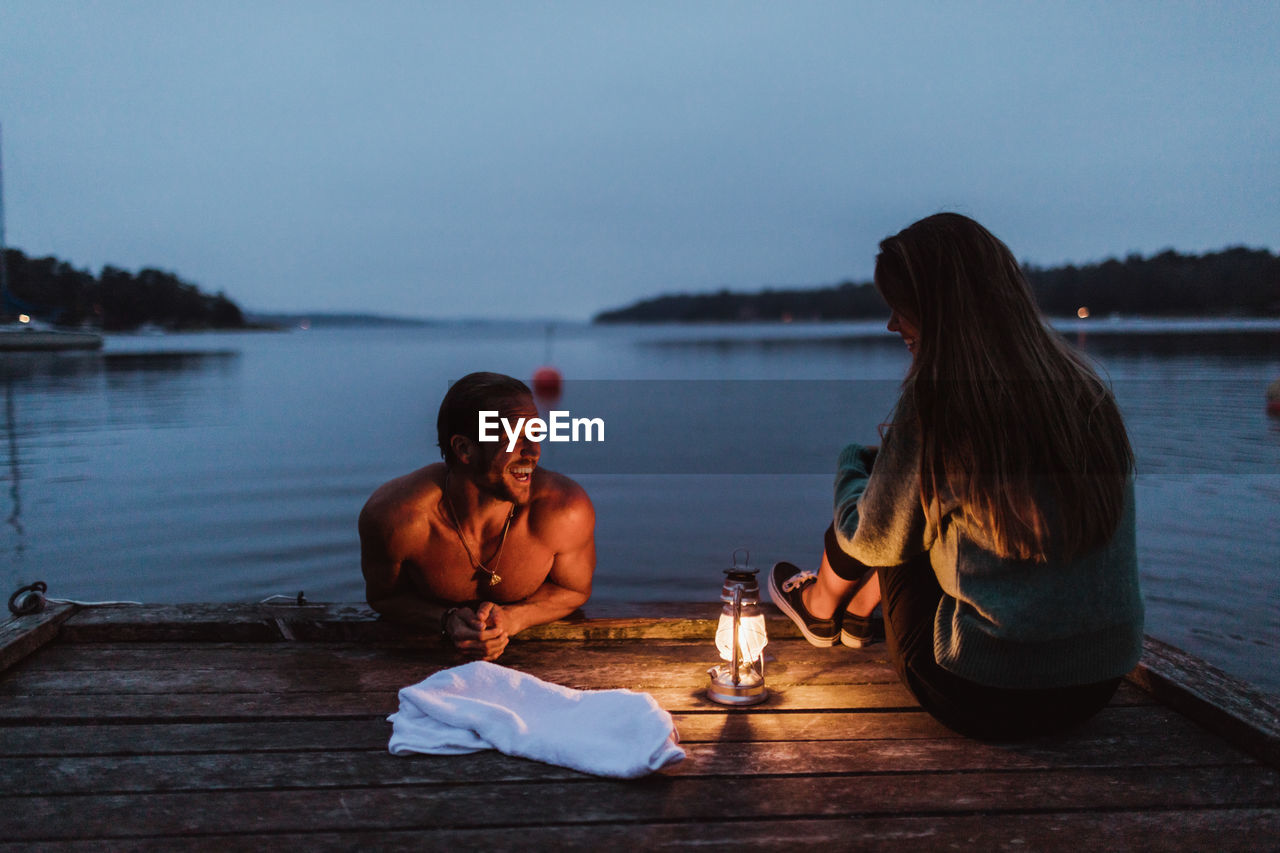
(567, 587)
(386, 589)
(571, 529)
(390, 593)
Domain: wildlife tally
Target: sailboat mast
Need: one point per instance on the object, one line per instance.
(4, 265)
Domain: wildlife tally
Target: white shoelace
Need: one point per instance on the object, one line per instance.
(799, 579)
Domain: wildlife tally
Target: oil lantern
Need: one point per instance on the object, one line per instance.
(740, 638)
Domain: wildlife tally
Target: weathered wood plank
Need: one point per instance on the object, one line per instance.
(152, 738)
(212, 707)
(1192, 830)
(226, 623)
(22, 635)
(311, 622)
(209, 655)
(1180, 745)
(1149, 723)
(372, 733)
(601, 803)
(1244, 829)
(644, 659)
(240, 656)
(195, 707)
(1241, 714)
(659, 673)
(304, 667)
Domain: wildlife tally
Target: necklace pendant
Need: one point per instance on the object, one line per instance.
(495, 579)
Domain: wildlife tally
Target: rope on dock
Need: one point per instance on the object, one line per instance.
(32, 599)
(301, 600)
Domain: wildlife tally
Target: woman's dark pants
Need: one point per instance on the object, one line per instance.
(909, 598)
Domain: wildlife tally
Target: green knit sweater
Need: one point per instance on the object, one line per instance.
(1003, 623)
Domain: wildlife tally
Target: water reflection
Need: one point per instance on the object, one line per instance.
(51, 397)
(848, 344)
(15, 472)
(1252, 344)
(125, 363)
(51, 367)
(1247, 345)
(166, 388)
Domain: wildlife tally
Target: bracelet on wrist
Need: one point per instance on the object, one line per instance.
(444, 623)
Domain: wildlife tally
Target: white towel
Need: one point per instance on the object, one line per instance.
(481, 705)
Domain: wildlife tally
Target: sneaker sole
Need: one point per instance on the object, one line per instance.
(780, 601)
(853, 642)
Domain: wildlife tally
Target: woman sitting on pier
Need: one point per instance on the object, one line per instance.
(995, 524)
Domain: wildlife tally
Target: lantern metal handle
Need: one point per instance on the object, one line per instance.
(737, 622)
(746, 561)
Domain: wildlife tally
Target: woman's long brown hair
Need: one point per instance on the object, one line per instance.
(1014, 424)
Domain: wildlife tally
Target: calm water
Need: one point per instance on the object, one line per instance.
(232, 467)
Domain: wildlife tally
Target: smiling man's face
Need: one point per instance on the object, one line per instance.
(508, 474)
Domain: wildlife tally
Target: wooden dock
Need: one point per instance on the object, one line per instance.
(258, 726)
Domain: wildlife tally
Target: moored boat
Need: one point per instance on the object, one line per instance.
(28, 338)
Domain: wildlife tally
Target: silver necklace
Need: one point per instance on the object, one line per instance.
(494, 577)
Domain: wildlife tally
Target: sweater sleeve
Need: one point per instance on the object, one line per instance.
(878, 516)
(853, 470)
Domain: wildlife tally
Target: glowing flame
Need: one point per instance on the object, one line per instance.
(1082, 312)
(751, 637)
(24, 318)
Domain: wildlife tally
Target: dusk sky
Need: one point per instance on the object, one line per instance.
(545, 159)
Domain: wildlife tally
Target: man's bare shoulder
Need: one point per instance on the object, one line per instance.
(560, 510)
(556, 492)
(401, 501)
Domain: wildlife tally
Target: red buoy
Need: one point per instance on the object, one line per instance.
(547, 384)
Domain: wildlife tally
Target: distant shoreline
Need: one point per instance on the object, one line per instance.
(739, 329)
(1233, 282)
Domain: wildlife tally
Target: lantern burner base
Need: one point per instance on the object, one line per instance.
(745, 692)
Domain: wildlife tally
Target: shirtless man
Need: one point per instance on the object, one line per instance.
(486, 543)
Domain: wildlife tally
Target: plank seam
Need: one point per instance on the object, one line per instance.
(582, 778)
(672, 822)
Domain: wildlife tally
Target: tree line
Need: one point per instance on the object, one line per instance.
(114, 300)
(1232, 282)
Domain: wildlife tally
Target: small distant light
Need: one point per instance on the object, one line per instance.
(304, 325)
(1082, 312)
(24, 318)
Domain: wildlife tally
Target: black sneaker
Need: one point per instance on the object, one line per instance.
(859, 631)
(786, 583)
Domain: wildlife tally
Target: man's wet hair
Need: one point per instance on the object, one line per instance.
(460, 409)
